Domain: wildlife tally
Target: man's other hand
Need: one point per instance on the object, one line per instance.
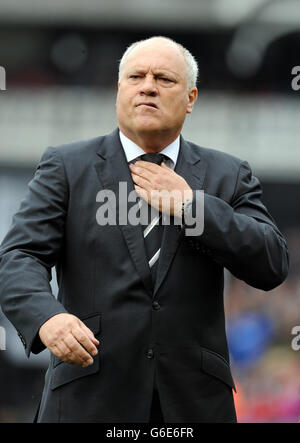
(69, 339)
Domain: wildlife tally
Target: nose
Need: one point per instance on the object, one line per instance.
(149, 87)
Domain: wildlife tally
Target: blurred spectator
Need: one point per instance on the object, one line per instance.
(265, 366)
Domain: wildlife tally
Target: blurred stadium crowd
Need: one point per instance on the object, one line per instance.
(265, 361)
(61, 64)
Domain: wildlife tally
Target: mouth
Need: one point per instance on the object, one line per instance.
(150, 105)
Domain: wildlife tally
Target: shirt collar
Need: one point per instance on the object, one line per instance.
(132, 150)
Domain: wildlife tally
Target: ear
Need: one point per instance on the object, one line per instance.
(192, 97)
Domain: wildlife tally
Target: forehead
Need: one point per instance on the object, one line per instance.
(156, 55)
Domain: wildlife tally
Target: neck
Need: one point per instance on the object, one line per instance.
(151, 143)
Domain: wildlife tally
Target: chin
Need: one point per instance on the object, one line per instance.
(149, 125)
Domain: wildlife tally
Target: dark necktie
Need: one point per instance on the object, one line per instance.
(154, 230)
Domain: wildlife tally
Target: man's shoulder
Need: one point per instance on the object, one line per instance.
(214, 156)
(83, 152)
(80, 148)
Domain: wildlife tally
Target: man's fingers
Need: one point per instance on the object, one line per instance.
(141, 181)
(84, 338)
(76, 353)
(63, 353)
(90, 334)
(70, 351)
(141, 167)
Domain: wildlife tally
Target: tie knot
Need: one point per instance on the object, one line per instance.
(153, 158)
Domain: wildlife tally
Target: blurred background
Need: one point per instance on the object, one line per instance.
(61, 62)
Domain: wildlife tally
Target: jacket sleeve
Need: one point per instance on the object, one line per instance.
(31, 248)
(242, 236)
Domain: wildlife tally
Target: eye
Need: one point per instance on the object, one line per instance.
(165, 80)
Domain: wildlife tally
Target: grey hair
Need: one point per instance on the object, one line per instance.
(191, 63)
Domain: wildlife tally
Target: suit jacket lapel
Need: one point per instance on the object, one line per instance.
(192, 168)
(112, 169)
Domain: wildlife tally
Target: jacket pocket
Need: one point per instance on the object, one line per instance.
(215, 365)
(63, 373)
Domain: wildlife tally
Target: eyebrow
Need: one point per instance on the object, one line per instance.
(157, 73)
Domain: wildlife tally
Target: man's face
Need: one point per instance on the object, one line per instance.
(152, 95)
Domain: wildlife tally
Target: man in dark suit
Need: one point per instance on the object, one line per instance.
(137, 333)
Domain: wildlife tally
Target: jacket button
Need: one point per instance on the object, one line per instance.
(155, 305)
(150, 353)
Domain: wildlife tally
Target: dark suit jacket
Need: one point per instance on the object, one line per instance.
(176, 328)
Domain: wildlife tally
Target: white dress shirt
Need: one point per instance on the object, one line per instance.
(133, 152)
